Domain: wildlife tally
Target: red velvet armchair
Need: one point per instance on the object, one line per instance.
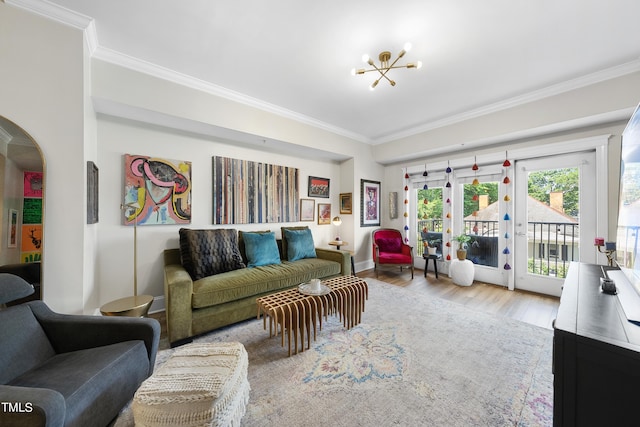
(389, 249)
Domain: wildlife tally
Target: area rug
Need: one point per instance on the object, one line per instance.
(414, 360)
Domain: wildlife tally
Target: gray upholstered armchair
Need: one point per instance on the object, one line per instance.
(67, 370)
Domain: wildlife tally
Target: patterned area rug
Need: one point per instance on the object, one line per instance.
(412, 361)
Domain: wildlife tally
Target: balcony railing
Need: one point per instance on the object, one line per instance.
(551, 246)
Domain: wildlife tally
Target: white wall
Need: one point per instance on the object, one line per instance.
(117, 137)
(41, 91)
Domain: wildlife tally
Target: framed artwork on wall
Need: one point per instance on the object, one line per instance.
(324, 213)
(393, 204)
(248, 192)
(318, 187)
(346, 200)
(13, 228)
(369, 203)
(307, 209)
(161, 188)
(92, 193)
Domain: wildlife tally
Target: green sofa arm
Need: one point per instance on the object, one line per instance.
(178, 290)
(339, 256)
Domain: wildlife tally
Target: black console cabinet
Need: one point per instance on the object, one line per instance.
(596, 355)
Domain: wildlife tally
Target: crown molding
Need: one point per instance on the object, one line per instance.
(557, 89)
(63, 16)
(139, 65)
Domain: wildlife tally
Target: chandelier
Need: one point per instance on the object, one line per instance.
(384, 67)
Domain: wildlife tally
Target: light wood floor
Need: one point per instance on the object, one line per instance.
(539, 310)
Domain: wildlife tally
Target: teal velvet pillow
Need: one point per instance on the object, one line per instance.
(299, 244)
(261, 249)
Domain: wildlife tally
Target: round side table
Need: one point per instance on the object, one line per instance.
(136, 306)
(337, 244)
(461, 272)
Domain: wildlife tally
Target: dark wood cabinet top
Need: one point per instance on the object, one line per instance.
(587, 312)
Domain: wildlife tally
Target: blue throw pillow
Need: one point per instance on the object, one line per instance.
(261, 249)
(299, 244)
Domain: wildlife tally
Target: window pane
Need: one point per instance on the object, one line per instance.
(481, 216)
(429, 218)
(553, 220)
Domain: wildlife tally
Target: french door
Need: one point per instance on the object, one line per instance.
(554, 220)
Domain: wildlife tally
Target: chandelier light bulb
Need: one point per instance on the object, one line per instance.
(365, 58)
(407, 47)
(418, 65)
(353, 71)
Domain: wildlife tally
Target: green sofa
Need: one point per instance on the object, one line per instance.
(198, 305)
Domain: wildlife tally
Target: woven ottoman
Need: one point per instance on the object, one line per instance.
(200, 385)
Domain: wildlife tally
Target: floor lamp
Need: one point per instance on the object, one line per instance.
(137, 305)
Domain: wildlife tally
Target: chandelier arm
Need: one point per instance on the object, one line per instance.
(386, 70)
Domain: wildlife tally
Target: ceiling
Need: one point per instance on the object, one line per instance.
(295, 56)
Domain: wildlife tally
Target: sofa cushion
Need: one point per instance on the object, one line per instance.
(261, 249)
(299, 244)
(208, 252)
(95, 383)
(23, 342)
(239, 284)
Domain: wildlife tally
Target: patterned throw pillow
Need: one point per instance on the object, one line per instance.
(208, 252)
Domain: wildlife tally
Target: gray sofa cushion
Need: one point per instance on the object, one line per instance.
(25, 350)
(208, 252)
(95, 383)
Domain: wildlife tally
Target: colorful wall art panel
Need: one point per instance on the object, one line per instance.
(246, 192)
(157, 191)
(31, 230)
(33, 184)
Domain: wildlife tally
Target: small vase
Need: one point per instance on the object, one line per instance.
(431, 251)
(461, 254)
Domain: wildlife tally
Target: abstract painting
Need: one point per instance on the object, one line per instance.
(246, 192)
(158, 191)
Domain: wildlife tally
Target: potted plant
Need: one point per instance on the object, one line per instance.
(432, 246)
(462, 240)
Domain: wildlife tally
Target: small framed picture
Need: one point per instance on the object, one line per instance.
(369, 203)
(13, 229)
(307, 209)
(318, 187)
(92, 193)
(346, 199)
(324, 213)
